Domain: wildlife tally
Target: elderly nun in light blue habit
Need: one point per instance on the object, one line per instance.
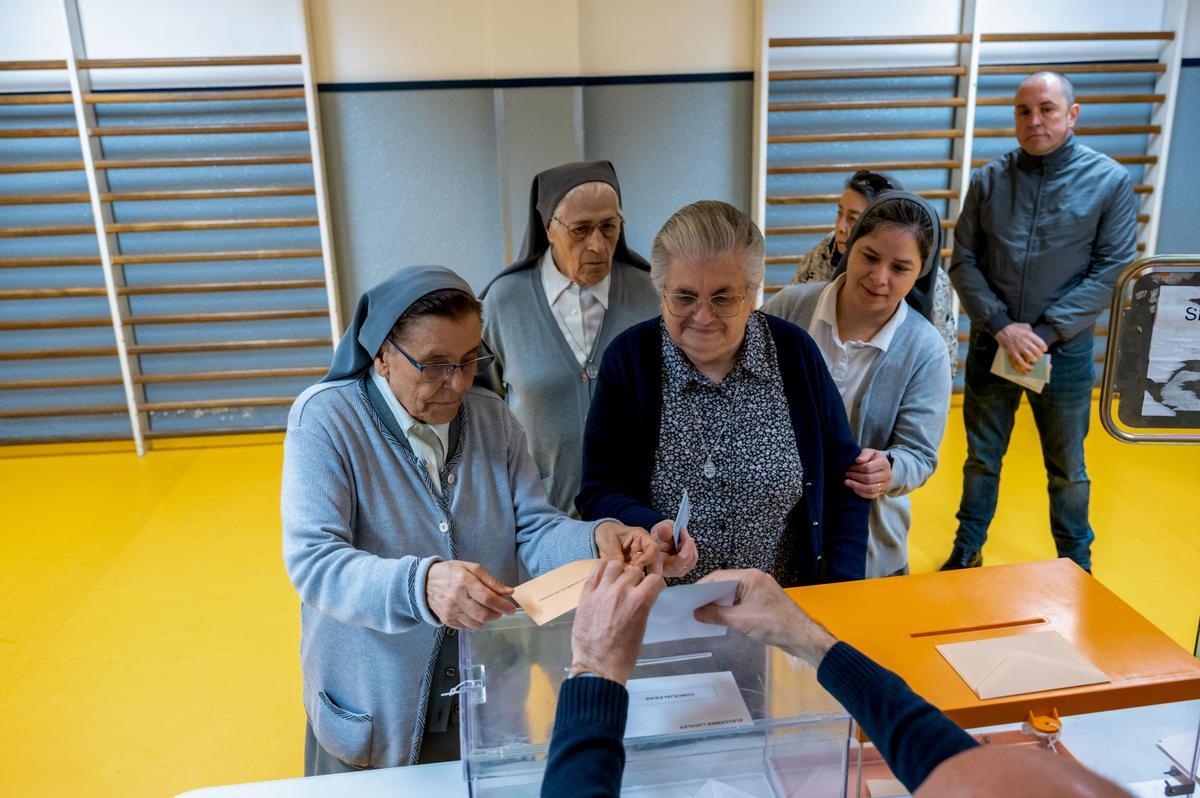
(409, 499)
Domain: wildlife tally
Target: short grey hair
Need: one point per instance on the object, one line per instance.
(705, 230)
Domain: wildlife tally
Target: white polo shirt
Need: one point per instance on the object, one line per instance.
(850, 362)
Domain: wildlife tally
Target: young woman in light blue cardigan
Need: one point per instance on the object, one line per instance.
(889, 364)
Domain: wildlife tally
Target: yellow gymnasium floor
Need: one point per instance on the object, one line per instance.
(148, 633)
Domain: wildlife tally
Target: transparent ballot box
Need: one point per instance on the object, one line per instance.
(723, 709)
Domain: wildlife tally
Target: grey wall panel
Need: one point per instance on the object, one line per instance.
(413, 178)
(539, 127)
(672, 144)
(1178, 232)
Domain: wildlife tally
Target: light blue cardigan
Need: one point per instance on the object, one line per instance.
(902, 411)
(361, 528)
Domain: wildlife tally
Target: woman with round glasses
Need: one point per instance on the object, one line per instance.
(409, 499)
(932, 296)
(730, 405)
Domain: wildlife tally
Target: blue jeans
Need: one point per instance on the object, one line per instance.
(1062, 413)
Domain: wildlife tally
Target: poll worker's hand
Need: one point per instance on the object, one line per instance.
(1023, 345)
(870, 475)
(763, 612)
(611, 619)
(676, 563)
(631, 545)
(463, 595)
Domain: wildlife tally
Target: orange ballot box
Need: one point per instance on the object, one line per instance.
(1073, 630)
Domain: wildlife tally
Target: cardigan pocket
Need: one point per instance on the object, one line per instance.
(345, 734)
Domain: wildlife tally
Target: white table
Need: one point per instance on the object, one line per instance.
(443, 779)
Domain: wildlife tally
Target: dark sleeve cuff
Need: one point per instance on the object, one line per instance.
(1046, 332)
(998, 321)
(599, 703)
(844, 670)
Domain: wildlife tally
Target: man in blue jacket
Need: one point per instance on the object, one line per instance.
(1043, 233)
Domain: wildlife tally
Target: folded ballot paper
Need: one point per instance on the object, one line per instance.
(1018, 664)
(1035, 380)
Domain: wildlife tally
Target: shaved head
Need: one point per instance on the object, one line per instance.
(1057, 79)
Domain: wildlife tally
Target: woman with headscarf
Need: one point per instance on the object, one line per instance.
(730, 405)
(550, 315)
(408, 500)
(932, 295)
(889, 364)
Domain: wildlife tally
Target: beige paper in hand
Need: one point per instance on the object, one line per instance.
(1019, 664)
(555, 593)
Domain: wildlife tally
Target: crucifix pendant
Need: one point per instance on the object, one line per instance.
(710, 468)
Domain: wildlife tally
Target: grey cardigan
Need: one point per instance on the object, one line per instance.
(537, 373)
(902, 412)
(361, 528)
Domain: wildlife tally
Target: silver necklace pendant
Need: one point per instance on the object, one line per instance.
(590, 371)
(710, 468)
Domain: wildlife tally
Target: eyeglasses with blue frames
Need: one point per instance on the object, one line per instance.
(440, 372)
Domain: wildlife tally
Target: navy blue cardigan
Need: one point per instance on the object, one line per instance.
(827, 527)
(587, 754)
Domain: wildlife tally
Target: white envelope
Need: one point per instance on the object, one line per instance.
(1018, 664)
(671, 617)
(719, 789)
(886, 788)
(688, 702)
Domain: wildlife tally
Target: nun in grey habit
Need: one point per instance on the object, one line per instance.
(550, 315)
(408, 499)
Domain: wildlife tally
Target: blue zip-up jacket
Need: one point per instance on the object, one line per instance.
(1042, 239)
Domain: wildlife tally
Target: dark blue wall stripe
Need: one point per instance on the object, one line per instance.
(522, 83)
(1187, 62)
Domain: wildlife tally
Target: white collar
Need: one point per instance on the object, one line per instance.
(554, 282)
(827, 312)
(402, 416)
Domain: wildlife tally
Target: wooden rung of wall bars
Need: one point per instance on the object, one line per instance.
(57, 353)
(853, 105)
(37, 263)
(202, 160)
(219, 95)
(13, 66)
(208, 404)
(51, 293)
(1087, 99)
(878, 72)
(159, 434)
(1080, 130)
(55, 230)
(1143, 218)
(44, 98)
(1121, 159)
(57, 324)
(204, 257)
(1071, 69)
(1078, 36)
(190, 61)
(197, 130)
(877, 166)
(42, 199)
(815, 229)
(40, 166)
(815, 199)
(38, 132)
(72, 382)
(41, 440)
(1143, 188)
(205, 318)
(210, 224)
(212, 288)
(228, 346)
(884, 135)
(203, 193)
(50, 412)
(234, 374)
(831, 41)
